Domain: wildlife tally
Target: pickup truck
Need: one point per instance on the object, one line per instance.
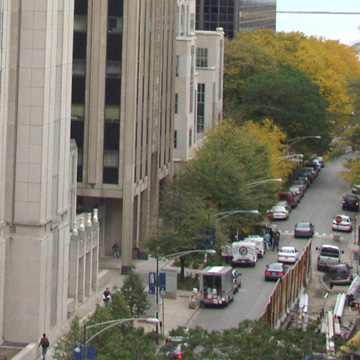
(328, 255)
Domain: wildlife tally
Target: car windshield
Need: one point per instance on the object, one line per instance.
(275, 266)
(330, 252)
(338, 269)
(278, 208)
(303, 226)
(287, 251)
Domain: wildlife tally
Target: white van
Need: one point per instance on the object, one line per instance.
(259, 243)
(244, 253)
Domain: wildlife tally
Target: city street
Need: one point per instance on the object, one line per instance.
(321, 203)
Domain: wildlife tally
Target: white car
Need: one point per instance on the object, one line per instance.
(279, 213)
(288, 254)
(342, 223)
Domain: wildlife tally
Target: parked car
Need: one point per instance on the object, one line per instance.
(306, 179)
(301, 183)
(356, 189)
(328, 255)
(320, 160)
(290, 197)
(340, 274)
(304, 229)
(236, 280)
(297, 190)
(350, 202)
(275, 271)
(310, 173)
(288, 254)
(284, 203)
(278, 213)
(342, 223)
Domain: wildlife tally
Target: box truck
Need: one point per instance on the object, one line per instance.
(216, 286)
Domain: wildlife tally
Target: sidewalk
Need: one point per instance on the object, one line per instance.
(176, 311)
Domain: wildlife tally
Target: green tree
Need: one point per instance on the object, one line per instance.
(232, 157)
(184, 218)
(118, 342)
(289, 98)
(253, 340)
(133, 291)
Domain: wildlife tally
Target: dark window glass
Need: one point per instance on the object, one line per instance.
(114, 46)
(79, 173)
(110, 175)
(77, 133)
(78, 90)
(115, 7)
(113, 91)
(79, 48)
(111, 135)
(81, 7)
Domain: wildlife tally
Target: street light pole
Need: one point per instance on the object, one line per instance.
(258, 183)
(297, 139)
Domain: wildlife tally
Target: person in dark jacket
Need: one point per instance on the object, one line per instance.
(44, 343)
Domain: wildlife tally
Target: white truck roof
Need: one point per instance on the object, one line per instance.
(214, 270)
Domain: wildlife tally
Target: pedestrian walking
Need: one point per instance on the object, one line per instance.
(271, 233)
(267, 241)
(116, 249)
(44, 343)
(276, 240)
(106, 297)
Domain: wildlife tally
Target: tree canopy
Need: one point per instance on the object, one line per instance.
(328, 64)
(289, 98)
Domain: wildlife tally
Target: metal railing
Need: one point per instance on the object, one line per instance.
(288, 290)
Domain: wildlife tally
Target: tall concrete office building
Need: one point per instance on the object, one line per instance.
(35, 206)
(235, 15)
(122, 114)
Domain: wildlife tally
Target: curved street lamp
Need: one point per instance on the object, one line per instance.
(110, 324)
(226, 214)
(296, 157)
(257, 183)
(297, 139)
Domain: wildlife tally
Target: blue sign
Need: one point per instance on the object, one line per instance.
(152, 280)
(90, 352)
(162, 284)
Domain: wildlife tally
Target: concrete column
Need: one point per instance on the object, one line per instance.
(128, 114)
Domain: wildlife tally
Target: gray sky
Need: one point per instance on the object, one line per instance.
(332, 27)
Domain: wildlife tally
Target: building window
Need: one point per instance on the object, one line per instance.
(190, 137)
(175, 139)
(221, 65)
(182, 20)
(176, 103)
(192, 75)
(200, 116)
(177, 65)
(192, 22)
(202, 57)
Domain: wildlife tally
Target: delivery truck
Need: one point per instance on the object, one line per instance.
(240, 253)
(216, 286)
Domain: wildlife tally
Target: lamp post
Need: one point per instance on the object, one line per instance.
(297, 139)
(172, 256)
(294, 157)
(110, 324)
(258, 183)
(226, 214)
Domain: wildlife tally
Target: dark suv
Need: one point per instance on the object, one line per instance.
(340, 274)
(350, 202)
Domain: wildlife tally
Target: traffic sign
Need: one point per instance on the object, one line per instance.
(162, 284)
(152, 279)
